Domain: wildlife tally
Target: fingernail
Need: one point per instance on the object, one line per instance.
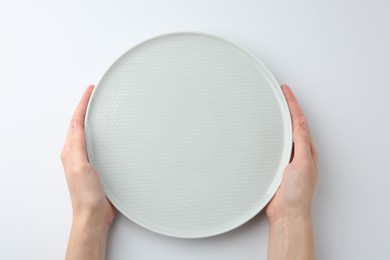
(303, 122)
(73, 126)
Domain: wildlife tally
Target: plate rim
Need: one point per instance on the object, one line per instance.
(285, 158)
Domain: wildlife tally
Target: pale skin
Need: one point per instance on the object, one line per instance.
(289, 212)
(92, 212)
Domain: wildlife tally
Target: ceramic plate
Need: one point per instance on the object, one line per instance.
(190, 135)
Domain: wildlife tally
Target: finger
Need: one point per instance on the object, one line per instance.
(301, 134)
(314, 153)
(302, 139)
(79, 113)
(313, 149)
(75, 141)
(295, 109)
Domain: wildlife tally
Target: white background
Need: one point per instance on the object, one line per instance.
(334, 54)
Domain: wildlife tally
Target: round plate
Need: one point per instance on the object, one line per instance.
(190, 135)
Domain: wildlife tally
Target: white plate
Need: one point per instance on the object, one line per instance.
(190, 135)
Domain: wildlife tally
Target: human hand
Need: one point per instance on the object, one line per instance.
(92, 212)
(289, 212)
(294, 197)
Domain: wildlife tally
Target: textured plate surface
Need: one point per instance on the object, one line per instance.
(190, 135)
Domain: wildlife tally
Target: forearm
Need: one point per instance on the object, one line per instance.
(87, 240)
(291, 238)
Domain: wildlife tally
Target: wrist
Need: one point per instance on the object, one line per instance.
(292, 220)
(291, 237)
(88, 237)
(288, 213)
(90, 221)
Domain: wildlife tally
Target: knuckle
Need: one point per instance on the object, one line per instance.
(76, 168)
(76, 123)
(301, 123)
(300, 120)
(306, 139)
(302, 137)
(63, 154)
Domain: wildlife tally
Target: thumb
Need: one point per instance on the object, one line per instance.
(75, 141)
(302, 139)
